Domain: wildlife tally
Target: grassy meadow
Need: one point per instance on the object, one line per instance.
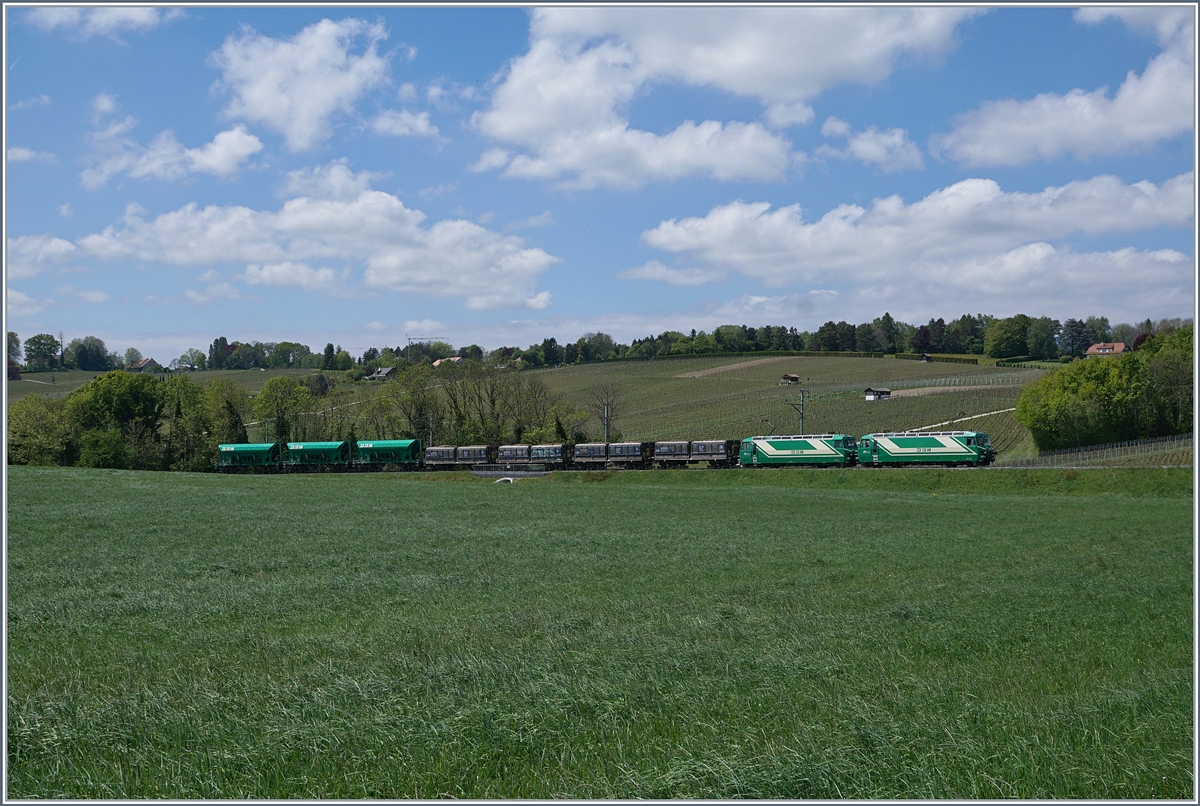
(715, 634)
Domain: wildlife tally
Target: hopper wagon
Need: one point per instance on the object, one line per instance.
(630, 454)
(591, 454)
(439, 456)
(470, 455)
(556, 455)
(377, 453)
(513, 455)
(314, 455)
(265, 455)
(717, 452)
(674, 453)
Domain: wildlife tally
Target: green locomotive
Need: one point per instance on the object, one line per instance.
(813, 450)
(971, 448)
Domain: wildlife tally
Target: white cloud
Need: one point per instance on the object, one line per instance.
(677, 277)
(1167, 23)
(29, 254)
(451, 258)
(544, 219)
(1146, 109)
(84, 23)
(22, 154)
(888, 151)
(628, 158)
(423, 326)
(92, 297)
(165, 157)
(835, 127)
(970, 246)
(66, 210)
(213, 293)
(293, 275)
(21, 305)
(489, 160)
(104, 103)
(404, 124)
(564, 100)
(295, 86)
(447, 97)
(332, 181)
(29, 103)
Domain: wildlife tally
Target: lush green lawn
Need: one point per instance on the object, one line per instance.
(921, 634)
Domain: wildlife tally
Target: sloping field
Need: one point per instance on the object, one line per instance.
(658, 402)
(688, 634)
(1173, 451)
(61, 384)
(700, 373)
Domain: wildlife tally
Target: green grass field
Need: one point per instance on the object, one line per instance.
(716, 634)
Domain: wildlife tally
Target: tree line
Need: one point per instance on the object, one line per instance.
(139, 421)
(1142, 394)
(1018, 337)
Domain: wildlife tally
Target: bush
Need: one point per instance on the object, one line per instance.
(1100, 400)
(37, 432)
(355, 374)
(104, 449)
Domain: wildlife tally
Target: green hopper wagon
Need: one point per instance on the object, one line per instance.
(379, 452)
(318, 454)
(258, 454)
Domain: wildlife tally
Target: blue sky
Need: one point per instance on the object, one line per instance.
(500, 175)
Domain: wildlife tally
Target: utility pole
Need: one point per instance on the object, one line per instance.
(799, 407)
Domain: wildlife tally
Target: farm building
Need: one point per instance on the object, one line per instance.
(145, 365)
(789, 380)
(1106, 348)
(878, 394)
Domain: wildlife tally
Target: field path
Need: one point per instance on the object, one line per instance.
(929, 390)
(703, 372)
(962, 419)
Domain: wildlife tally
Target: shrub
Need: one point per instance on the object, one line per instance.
(104, 449)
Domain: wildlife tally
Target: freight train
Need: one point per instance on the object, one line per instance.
(893, 449)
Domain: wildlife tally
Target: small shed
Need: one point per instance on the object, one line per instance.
(926, 357)
(789, 380)
(878, 394)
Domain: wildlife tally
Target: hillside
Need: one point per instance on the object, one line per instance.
(734, 397)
